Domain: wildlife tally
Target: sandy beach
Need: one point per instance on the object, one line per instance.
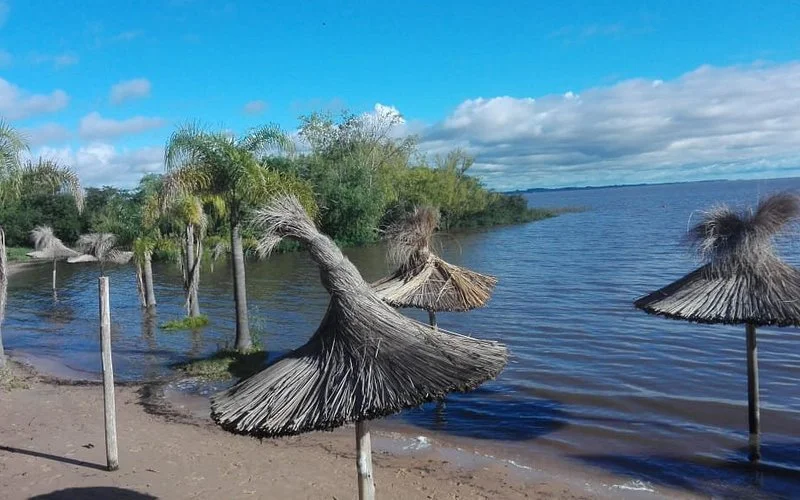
(51, 441)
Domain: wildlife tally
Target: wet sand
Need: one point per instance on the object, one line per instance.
(52, 443)
(51, 440)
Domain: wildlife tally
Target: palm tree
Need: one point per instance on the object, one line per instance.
(16, 179)
(202, 162)
(188, 211)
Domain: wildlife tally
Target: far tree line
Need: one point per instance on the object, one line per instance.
(354, 173)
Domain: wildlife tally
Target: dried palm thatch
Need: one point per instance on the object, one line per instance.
(48, 246)
(422, 279)
(743, 280)
(365, 361)
(100, 247)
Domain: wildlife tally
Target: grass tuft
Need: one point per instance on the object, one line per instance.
(10, 381)
(187, 323)
(225, 364)
(18, 254)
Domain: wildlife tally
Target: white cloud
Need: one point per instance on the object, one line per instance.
(93, 126)
(709, 123)
(127, 36)
(58, 61)
(255, 107)
(16, 103)
(5, 58)
(49, 133)
(138, 88)
(100, 163)
(3, 12)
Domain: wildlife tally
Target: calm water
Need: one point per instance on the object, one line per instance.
(590, 378)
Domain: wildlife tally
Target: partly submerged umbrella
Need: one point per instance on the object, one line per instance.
(365, 361)
(742, 282)
(422, 279)
(100, 247)
(49, 247)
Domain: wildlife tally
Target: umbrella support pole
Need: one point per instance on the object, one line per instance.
(432, 319)
(754, 416)
(109, 410)
(366, 486)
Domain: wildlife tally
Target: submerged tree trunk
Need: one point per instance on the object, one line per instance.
(148, 279)
(140, 285)
(192, 272)
(243, 340)
(3, 291)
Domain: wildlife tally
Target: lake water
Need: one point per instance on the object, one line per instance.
(590, 377)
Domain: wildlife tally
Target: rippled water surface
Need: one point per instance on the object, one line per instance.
(590, 377)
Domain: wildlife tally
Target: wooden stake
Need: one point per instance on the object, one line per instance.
(112, 456)
(54, 274)
(366, 486)
(432, 319)
(754, 415)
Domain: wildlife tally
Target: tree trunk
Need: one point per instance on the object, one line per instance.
(140, 285)
(243, 340)
(148, 279)
(3, 291)
(192, 273)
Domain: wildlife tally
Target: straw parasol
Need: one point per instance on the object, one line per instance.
(100, 247)
(422, 279)
(742, 282)
(49, 247)
(365, 361)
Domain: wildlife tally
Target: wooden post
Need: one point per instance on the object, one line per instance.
(754, 415)
(432, 319)
(112, 456)
(54, 274)
(366, 486)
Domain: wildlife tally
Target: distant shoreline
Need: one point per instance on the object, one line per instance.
(641, 184)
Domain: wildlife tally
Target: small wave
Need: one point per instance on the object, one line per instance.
(419, 443)
(519, 466)
(635, 485)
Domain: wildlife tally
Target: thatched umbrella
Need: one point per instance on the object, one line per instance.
(101, 248)
(365, 361)
(49, 246)
(743, 281)
(422, 279)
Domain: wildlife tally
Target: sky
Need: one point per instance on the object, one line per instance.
(543, 94)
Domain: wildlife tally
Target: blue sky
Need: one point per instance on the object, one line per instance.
(543, 94)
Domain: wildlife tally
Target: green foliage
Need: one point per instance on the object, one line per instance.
(187, 323)
(358, 174)
(225, 364)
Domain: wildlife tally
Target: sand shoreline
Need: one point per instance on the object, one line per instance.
(52, 440)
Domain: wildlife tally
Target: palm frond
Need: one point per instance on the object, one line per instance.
(267, 140)
(12, 143)
(52, 176)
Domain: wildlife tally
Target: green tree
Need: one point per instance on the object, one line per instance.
(16, 179)
(210, 163)
(355, 166)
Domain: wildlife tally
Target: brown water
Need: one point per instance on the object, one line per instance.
(591, 379)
